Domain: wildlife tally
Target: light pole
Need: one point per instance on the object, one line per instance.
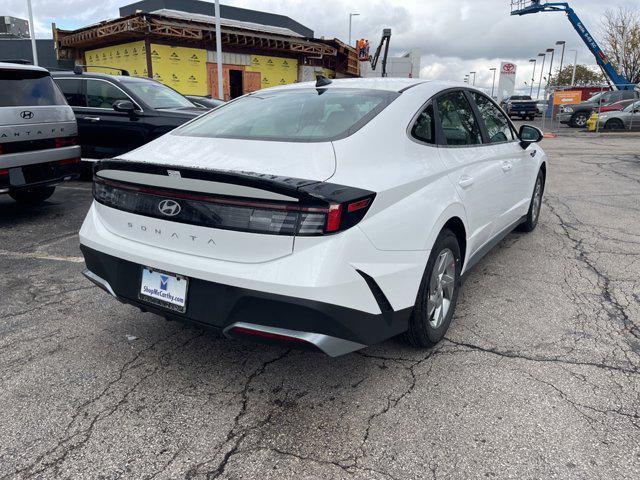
(33, 34)
(219, 51)
(564, 44)
(541, 72)
(474, 77)
(533, 75)
(351, 15)
(553, 52)
(493, 85)
(575, 64)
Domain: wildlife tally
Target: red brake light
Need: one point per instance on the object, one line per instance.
(4, 172)
(66, 141)
(334, 215)
(69, 161)
(355, 206)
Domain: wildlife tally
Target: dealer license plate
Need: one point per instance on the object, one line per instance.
(164, 289)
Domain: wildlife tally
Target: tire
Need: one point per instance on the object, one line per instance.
(579, 120)
(533, 215)
(614, 124)
(32, 195)
(427, 328)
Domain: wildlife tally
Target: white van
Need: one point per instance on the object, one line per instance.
(38, 134)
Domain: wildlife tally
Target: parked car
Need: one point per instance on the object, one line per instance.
(38, 134)
(616, 107)
(521, 106)
(119, 113)
(576, 116)
(324, 216)
(541, 107)
(205, 102)
(627, 119)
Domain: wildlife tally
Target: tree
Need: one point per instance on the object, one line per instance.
(585, 76)
(621, 41)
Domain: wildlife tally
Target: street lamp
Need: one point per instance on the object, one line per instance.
(564, 44)
(533, 75)
(575, 64)
(33, 34)
(493, 85)
(351, 15)
(553, 52)
(541, 72)
(474, 77)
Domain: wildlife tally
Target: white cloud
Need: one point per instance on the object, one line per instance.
(455, 36)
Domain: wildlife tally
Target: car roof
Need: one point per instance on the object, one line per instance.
(389, 84)
(20, 66)
(104, 76)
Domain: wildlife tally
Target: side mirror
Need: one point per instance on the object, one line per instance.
(530, 134)
(124, 106)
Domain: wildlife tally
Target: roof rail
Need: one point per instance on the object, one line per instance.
(19, 61)
(80, 69)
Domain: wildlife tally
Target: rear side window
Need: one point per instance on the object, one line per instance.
(424, 129)
(305, 115)
(497, 125)
(103, 94)
(73, 91)
(28, 88)
(459, 124)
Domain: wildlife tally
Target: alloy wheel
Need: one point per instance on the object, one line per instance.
(537, 201)
(441, 288)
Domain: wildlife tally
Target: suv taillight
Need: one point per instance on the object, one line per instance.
(66, 142)
(276, 218)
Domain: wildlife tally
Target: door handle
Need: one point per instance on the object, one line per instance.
(507, 166)
(91, 119)
(465, 181)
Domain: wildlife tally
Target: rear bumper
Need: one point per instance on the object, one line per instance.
(241, 312)
(39, 174)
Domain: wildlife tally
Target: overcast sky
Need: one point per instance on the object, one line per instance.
(455, 36)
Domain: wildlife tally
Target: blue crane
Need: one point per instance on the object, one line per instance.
(522, 7)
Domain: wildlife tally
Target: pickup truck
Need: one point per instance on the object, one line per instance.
(522, 106)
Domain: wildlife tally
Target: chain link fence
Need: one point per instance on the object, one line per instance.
(595, 108)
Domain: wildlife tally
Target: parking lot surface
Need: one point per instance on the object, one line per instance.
(539, 376)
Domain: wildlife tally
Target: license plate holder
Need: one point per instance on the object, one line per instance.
(164, 289)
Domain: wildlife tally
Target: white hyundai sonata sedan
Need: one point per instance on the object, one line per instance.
(328, 216)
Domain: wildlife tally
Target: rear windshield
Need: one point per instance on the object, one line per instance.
(28, 88)
(292, 116)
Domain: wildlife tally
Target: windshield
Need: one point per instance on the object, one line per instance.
(158, 96)
(632, 107)
(295, 115)
(28, 88)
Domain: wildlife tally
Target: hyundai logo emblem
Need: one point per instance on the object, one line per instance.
(169, 208)
(26, 115)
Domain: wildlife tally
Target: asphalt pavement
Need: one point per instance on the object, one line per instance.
(539, 376)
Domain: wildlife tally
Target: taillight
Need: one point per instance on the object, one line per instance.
(4, 171)
(66, 142)
(277, 218)
(69, 161)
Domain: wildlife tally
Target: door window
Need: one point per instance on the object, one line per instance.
(459, 124)
(497, 125)
(73, 91)
(103, 94)
(424, 128)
